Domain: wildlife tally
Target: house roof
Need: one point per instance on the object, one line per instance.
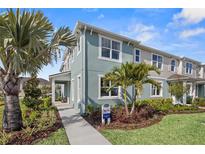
(179, 77)
(83, 25)
(41, 80)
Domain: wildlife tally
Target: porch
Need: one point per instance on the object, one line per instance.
(196, 86)
(63, 80)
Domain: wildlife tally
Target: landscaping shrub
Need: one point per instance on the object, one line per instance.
(46, 102)
(189, 100)
(199, 101)
(178, 108)
(32, 94)
(159, 104)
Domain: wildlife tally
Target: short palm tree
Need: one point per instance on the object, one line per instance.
(121, 77)
(27, 43)
(140, 76)
(131, 74)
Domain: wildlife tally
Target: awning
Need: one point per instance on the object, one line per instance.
(61, 77)
(177, 77)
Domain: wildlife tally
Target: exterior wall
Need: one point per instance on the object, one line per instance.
(89, 66)
(96, 67)
(76, 68)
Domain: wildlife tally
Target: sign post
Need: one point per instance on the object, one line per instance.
(106, 114)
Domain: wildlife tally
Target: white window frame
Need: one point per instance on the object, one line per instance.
(79, 87)
(161, 90)
(79, 45)
(157, 61)
(72, 90)
(175, 68)
(107, 97)
(110, 58)
(188, 70)
(140, 53)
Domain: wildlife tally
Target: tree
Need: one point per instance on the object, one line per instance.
(131, 74)
(27, 43)
(121, 77)
(177, 89)
(140, 76)
(32, 93)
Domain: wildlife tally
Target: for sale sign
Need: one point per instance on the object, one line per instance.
(106, 114)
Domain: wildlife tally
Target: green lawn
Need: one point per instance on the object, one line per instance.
(57, 138)
(173, 129)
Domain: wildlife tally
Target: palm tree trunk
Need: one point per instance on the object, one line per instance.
(12, 117)
(125, 101)
(133, 108)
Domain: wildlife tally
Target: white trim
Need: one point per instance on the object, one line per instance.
(106, 97)
(161, 90)
(79, 43)
(160, 78)
(72, 90)
(175, 68)
(140, 55)
(191, 69)
(79, 87)
(157, 61)
(100, 49)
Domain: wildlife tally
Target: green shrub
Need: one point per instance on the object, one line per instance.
(199, 101)
(160, 104)
(32, 93)
(189, 99)
(184, 108)
(46, 102)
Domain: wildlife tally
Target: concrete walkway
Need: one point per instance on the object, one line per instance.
(78, 130)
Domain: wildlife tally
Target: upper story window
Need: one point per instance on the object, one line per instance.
(110, 49)
(157, 61)
(189, 67)
(173, 65)
(137, 54)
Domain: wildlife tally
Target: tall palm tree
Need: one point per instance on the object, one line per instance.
(27, 43)
(140, 76)
(121, 77)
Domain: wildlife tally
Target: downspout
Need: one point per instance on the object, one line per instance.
(83, 76)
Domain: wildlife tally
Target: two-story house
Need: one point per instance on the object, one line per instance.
(99, 50)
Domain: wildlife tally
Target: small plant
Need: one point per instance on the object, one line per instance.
(4, 137)
(46, 103)
(199, 101)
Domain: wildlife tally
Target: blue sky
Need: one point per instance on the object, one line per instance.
(177, 31)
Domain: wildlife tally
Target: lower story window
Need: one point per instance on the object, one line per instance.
(156, 91)
(104, 86)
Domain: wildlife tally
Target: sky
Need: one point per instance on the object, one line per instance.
(176, 31)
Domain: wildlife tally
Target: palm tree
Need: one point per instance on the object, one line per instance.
(121, 77)
(140, 76)
(27, 43)
(131, 74)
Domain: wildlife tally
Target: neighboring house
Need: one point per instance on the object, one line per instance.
(42, 82)
(99, 50)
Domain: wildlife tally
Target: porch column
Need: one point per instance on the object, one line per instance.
(53, 91)
(194, 90)
(184, 96)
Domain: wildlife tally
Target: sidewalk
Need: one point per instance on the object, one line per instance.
(78, 130)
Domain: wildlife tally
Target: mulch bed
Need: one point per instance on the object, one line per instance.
(20, 138)
(144, 116)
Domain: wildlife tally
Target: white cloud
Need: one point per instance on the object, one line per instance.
(101, 16)
(189, 16)
(141, 32)
(192, 32)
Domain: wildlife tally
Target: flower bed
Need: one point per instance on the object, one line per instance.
(147, 112)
